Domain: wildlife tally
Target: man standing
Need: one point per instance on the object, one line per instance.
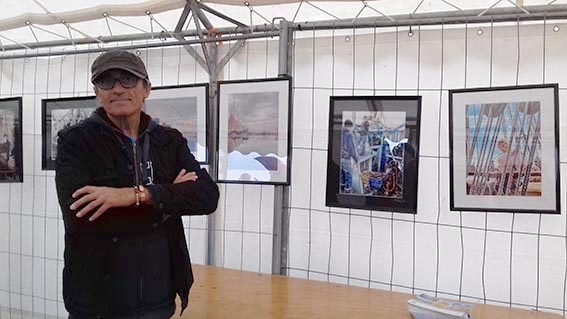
(123, 184)
(348, 151)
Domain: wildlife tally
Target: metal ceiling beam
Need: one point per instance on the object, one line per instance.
(512, 14)
(4, 55)
(179, 36)
(233, 50)
(183, 18)
(509, 14)
(194, 10)
(197, 7)
(222, 16)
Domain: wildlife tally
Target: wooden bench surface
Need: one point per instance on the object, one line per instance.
(225, 293)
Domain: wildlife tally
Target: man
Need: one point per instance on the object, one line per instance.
(348, 151)
(123, 183)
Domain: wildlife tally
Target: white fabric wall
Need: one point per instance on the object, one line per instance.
(31, 228)
(503, 258)
(435, 250)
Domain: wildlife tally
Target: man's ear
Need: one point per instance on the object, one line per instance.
(147, 89)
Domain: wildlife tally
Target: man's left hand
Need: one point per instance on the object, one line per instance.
(102, 198)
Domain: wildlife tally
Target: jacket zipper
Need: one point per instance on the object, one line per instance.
(135, 163)
(136, 182)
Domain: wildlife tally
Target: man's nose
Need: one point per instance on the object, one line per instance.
(117, 87)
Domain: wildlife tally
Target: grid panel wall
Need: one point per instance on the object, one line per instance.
(502, 258)
(244, 219)
(31, 228)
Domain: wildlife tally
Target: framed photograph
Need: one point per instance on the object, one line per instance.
(57, 114)
(184, 108)
(11, 169)
(504, 149)
(254, 131)
(373, 152)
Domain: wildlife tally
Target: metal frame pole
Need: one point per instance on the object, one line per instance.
(280, 240)
(213, 99)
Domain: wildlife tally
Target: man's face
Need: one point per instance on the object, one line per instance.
(121, 101)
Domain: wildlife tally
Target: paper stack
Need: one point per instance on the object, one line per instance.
(429, 307)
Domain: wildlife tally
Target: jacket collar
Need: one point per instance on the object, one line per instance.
(99, 116)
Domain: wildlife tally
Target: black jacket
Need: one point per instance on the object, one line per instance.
(131, 261)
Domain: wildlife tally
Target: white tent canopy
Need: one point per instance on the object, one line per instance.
(29, 21)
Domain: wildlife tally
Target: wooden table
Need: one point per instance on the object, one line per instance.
(234, 294)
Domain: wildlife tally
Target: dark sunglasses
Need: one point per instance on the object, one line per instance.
(107, 81)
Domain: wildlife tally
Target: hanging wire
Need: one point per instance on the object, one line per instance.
(296, 12)
(538, 261)
(461, 212)
(260, 232)
(242, 229)
(452, 5)
(81, 33)
(417, 8)
(332, 93)
(14, 41)
(374, 60)
(379, 12)
(179, 64)
(126, 24)
(105, 15)
(33, 191)
(371, 212)
(318, 8)
(87, 69)
(511, 255)
(565, 273)
(519, 6)
(397, 61)
(360, 12)
(514, 213)
(486, 213)
(33, 26)
(151, 24)
(70, 35)
(21, 204)
(544, 46)
(45, 202)
(225, 186)
(12, 79)
(32, 32)
(313, 46)
(488, 9)
(258, 14)
(414, 215)
(439, 156)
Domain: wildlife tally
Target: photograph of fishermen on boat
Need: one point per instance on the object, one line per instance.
(58, 114)
(184, 108)
(372, 153)
(11, 170)
(254, 131)
(506, 148)
(373, 144)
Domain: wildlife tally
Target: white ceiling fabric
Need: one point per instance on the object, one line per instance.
(84, 18)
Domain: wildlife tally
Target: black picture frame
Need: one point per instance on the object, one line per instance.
(57, 114)
(496, 165)
(165, 100)
(367, 136)
(11, 154)
(254, 131)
